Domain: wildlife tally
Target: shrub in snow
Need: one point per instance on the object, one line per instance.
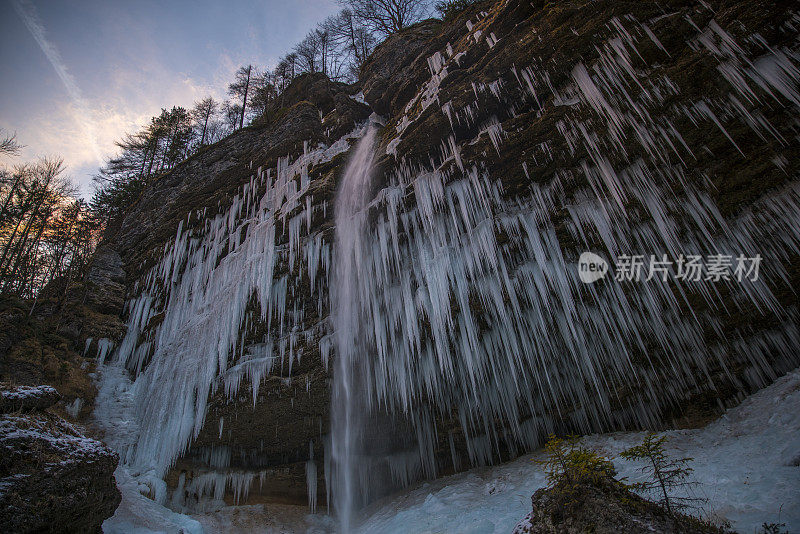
(569, 464)
(665, 474)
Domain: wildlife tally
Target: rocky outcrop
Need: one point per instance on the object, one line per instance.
(43, 342)
(27, 398)
(52, 477)
(603, 507)
(105, 282)
(317, 89)
(391, 75)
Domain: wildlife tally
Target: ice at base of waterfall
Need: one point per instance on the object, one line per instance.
(747, 464)
(266, 519)
(137, 514)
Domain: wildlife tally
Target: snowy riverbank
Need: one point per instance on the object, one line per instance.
(747, 464)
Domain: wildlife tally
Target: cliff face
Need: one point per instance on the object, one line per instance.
(517, 136)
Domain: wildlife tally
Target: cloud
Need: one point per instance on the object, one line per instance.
(83, 126)
(132, 76)
(59, 130)
(27, 12)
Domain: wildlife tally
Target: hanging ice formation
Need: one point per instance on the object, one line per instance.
(206, 286)
(466, 298)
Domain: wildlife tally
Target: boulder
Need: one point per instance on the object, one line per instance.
(28, 398)
(604, 506)
(52, 477)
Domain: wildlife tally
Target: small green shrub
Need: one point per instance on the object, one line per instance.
(569, 463)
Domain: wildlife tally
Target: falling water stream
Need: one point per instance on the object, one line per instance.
(348, 402)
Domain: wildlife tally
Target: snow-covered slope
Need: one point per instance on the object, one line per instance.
(747, 464)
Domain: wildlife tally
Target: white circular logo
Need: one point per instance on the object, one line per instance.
(591, 267)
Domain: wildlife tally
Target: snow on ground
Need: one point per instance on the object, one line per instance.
(20, 393)
(137, 514)
(747, 464)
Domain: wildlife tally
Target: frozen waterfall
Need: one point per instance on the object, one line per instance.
(349, 320)
(451, 307)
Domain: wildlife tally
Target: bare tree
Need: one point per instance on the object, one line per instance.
(11, 180)
(231, 113)
(264, 92)
(353, 42)
(308, 53)
(9, 145)
(216, 129)
(240, 87)
(42, 191)
(291, 60)
(325, 44)
(44, 232)
(386, 17)
(202, 113)
(285, 71)
(282, 76)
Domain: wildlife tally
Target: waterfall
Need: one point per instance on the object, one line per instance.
(452, 304)
(154, 391)
(347, 410)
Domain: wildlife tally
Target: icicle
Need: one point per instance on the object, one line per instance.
(311, 479)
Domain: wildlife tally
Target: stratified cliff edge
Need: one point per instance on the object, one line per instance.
(517, 136)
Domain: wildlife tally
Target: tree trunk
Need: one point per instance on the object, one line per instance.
(10, 196)
(9, 243)
(16, 254)
(244, 98)
(205, 125)
(31, 250)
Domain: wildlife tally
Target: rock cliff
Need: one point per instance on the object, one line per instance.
(517, 135)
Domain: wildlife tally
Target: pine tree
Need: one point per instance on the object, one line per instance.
(664, 473)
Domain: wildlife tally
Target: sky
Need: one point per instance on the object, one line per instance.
(76, 75)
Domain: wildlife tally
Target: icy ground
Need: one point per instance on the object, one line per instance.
(747, 464)
(137, 514)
